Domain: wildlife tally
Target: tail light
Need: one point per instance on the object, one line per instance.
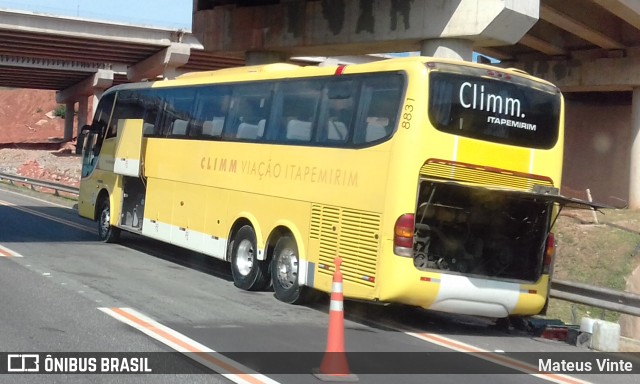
(549, 254)
(403, 235)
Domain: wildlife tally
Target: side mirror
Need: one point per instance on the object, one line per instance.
(80, 140)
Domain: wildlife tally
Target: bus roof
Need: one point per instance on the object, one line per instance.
(282, 70)
(241, 70)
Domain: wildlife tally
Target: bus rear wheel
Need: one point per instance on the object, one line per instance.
(248, 272)
(284, 272)
(107, 232)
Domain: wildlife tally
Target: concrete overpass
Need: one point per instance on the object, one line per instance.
(80, 58)
(590, 48)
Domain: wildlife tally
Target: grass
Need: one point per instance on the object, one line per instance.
(60, 110)
(603, 255)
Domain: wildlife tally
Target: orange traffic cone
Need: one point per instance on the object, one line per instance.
(334, 366)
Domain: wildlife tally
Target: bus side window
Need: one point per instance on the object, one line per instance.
(176, 117)
(379, 104)
(179, 127)
(296, 116)
(101, 119)
(149, 121)
(129, 105)
(250, 110)
(212, 105)
(339, 104)
(213, 127)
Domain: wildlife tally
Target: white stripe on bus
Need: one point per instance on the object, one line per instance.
(487, 297)
(186, 238)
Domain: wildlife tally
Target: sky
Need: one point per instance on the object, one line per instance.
(157, 13)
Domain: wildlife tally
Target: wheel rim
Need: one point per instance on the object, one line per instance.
(287, 268)
(244, 257)
(105, 221)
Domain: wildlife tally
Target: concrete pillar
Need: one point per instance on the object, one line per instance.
(68, 120)
(97, 94)
(83, 110)
(456, 49)
(94, 105)
(92, 85)
(634, 168)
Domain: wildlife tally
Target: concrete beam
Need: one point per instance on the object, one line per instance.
(93, 29)
(455, 49)
(495, 53)
(56, 64)
(587, 32)
(98, 82)
(627, 10)
(264, 57)
(542, 46)
(163, 63)
(336, 28)
(603, 74)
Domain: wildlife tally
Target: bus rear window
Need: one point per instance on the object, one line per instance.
(494, 110)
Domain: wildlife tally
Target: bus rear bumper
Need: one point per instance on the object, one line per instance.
(468, 307)
(485, 297)
(467, 295)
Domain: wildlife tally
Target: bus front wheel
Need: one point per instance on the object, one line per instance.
(248, 272)
(284, 272)
(107, 232)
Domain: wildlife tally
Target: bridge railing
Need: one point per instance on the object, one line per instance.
(57, 188)
(609, 299)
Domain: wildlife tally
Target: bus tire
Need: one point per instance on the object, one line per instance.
(106, 232)
(248, 272)
(284, 272)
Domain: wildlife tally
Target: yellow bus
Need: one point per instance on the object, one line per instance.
(435, 181)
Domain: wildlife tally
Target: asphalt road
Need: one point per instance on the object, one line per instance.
(64, 291)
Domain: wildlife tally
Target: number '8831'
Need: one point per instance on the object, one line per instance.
(407, 114)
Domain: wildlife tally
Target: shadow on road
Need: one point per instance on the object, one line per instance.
(55, 224)
(43, 224)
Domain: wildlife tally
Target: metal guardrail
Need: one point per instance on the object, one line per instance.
(623, 302)
(39, 183)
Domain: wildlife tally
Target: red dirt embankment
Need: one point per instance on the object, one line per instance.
(26, 119)
(26, 116)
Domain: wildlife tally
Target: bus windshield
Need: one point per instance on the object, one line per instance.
(501, 110)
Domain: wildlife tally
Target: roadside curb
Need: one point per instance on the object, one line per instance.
(629, 345)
